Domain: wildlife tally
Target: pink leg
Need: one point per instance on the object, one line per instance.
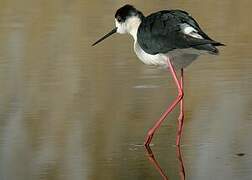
(181, 115)
(169, 109)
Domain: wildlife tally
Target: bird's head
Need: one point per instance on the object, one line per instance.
(127, 20)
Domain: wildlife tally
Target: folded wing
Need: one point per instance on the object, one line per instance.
(164, 31)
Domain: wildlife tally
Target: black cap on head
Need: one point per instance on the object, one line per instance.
(127, 11)
(121, 15)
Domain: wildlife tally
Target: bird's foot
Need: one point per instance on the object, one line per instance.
(178, 140)
(148, 138)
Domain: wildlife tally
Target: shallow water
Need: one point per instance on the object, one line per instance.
(71, 111)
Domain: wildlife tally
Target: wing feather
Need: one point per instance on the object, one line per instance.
(161, 32)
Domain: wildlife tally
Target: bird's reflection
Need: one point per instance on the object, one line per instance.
(153, 161)
(181, 163)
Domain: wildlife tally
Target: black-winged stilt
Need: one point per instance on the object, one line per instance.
(166, 38)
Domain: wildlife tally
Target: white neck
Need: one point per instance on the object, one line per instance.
(132, 25)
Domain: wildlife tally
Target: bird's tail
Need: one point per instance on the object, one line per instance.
(210, 48)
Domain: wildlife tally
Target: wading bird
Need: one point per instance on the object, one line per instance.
(170, 38)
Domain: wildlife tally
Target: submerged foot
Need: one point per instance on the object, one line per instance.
(148, 139)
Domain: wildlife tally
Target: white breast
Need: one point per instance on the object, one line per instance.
(180, 58)
(148, 58)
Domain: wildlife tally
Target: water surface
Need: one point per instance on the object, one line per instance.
(71, 111)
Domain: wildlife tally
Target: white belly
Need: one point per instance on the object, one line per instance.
(179, 57)
(148, 58)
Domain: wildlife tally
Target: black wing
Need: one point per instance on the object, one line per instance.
(161, 32)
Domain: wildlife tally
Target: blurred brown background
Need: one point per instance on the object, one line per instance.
(72, 111)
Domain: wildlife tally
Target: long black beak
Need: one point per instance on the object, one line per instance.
(104, 37)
